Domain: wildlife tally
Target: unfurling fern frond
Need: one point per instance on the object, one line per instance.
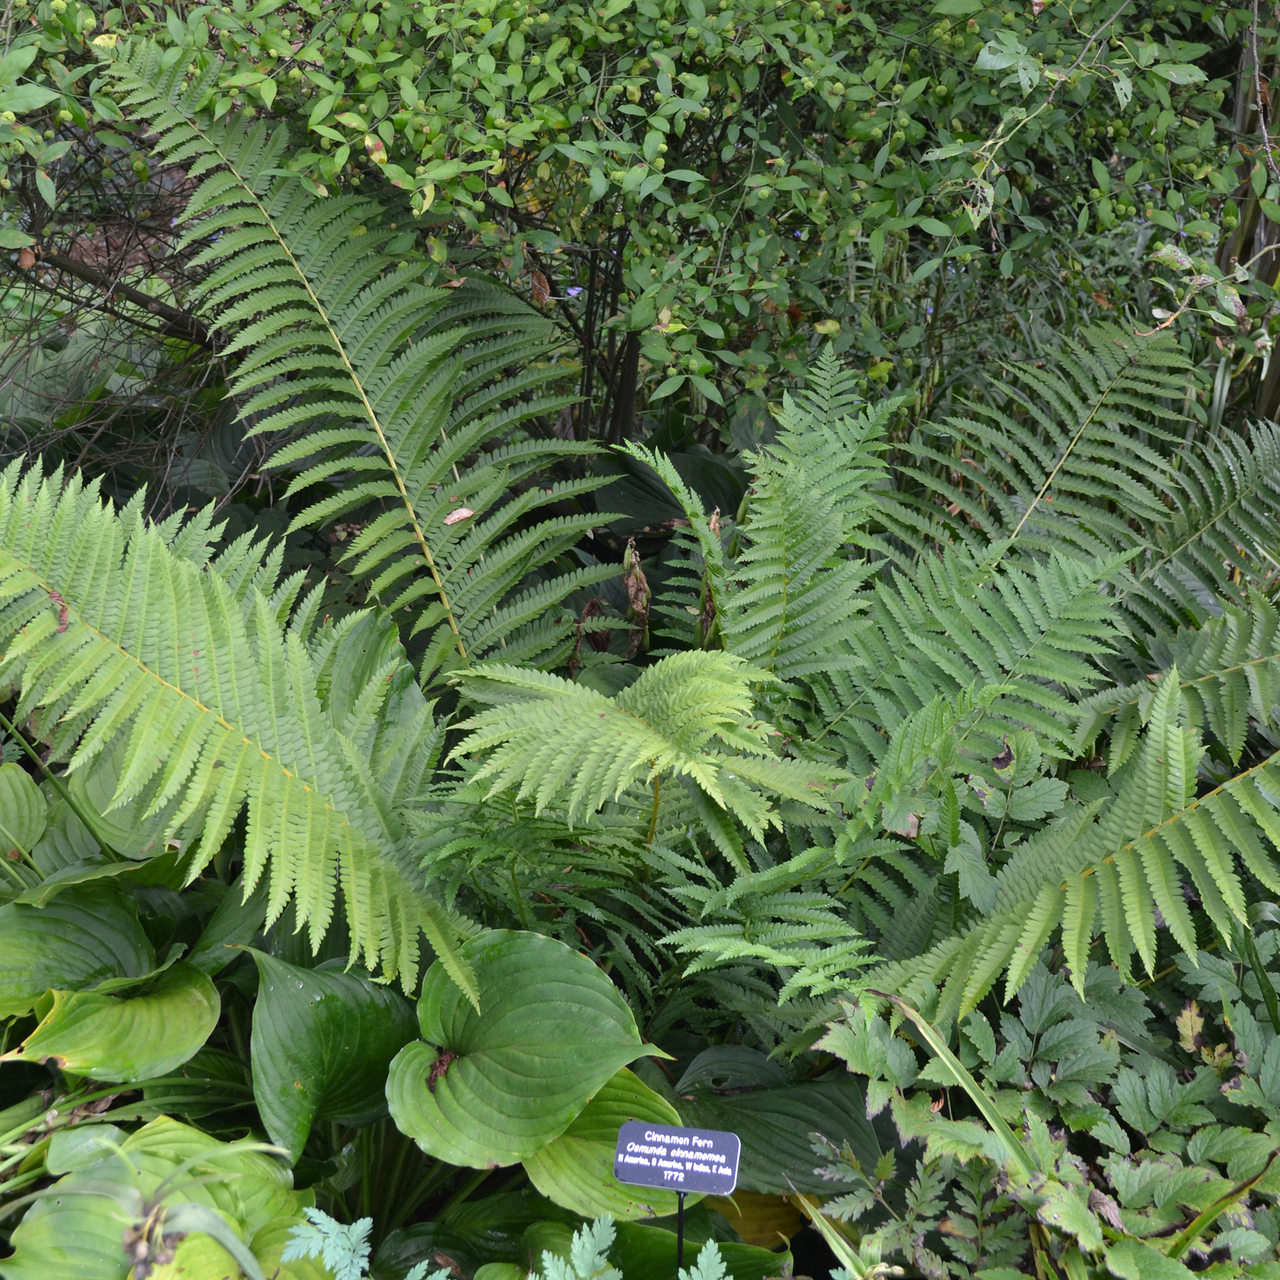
(118, 639)
(689, 715)
(1126, 862)
(394, 395)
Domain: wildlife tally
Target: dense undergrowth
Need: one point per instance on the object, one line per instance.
(453, 731)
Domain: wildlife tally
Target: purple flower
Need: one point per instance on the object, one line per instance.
(573, 293)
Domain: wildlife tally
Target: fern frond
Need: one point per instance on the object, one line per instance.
(689, 715)
(1230, 675)
(1074, 464)
(121, 643)
(957, 623)
(388, 389)
(1119, 861)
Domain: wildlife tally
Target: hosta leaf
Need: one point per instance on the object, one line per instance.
(649, 1253)
(22, 811)
(77, 1233)
(492, 1088)
(576, 1170)
(774, 1125)
(322, 1043)
(268, 1244)
(130, 1036)
(87, 935)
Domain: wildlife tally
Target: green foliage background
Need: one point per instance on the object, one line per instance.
(569, 563)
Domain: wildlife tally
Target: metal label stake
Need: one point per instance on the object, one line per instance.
(704, 1161)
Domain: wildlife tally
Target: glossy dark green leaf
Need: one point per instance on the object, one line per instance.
(86, 935)
(66, 841)
(233, 925)
(491, 1088)
(322, 1042)
(494, 1226)
(649, 1253)
(774, 1125)
(405, 1247)
(132, 1035)
(22, 811)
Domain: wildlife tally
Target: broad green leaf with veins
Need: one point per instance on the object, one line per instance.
(491, 1088)
(576, 1170)
(130, 1036)
(87, 935)
(322, 1042)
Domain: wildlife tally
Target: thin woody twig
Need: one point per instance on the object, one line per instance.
(1262, 101)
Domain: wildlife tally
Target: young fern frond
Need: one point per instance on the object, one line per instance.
(119, 641)
(689, 715)
(392, 393)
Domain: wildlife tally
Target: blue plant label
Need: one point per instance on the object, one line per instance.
(663, 1155)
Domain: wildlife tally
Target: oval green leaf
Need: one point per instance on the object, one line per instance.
(85, 936)
(576, 1170)
(126, 1037)
(492, 1088)
(649, 1253)
(322, 1043)
(774, 1125)
(22, 811)
(77, 1233)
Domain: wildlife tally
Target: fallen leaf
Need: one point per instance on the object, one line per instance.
(457, 514)
(541, 289)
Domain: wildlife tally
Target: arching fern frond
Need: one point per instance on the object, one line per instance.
(1229, 672)
(115, 636)
(955, 623)
(1076, 459)
(1219, 529)
(396, 396)
(1123, 862)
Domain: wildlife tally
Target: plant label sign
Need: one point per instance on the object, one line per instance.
(688, 1160)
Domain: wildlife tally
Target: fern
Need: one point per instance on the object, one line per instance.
(1119, 860)
(118, 639)
(1089, 464)
(1073, 467)
(689, 715)
(1229, 677)
(392, 393)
